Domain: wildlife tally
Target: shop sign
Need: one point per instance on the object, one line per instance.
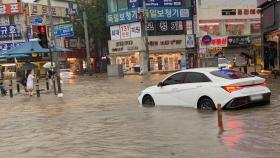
(189, 27)
(10, 8)
(228, 11)
(135, 30)
(238, 41)
(37, 9)
(207, 39)
(125, 31)
(163, 3)
(65, 30)
(234, 12)
(167, 42)
(70, 11)
(131, 15)
(256, 40)
(6, 45)
(221, 41)
(115, 32)
(124, 46)
(37, 20)
(165, 27)
(190, 41)
(134, 4)
(9, 31)
(215, 49)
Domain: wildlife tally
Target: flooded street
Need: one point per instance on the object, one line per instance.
(101, 117)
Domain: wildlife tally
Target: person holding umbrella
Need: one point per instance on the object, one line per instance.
(30, 81)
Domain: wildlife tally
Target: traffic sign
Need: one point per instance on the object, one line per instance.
(64, 30)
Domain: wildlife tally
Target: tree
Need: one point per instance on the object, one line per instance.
(99, 33)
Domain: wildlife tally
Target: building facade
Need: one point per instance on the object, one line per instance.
(19, 21)
(270, 24)
(234, 29)
(169, 28)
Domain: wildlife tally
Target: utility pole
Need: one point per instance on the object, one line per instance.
(51, 48)
(146, 54)
(89, 66)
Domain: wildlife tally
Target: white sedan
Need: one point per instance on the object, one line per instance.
(204, 88)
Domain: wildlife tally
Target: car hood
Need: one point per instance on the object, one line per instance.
(149, 89)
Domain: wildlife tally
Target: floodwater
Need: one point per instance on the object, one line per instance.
(100, 117)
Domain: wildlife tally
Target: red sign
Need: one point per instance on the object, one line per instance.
(11, 8)
(215, 42)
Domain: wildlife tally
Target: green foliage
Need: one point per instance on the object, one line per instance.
(96, 20)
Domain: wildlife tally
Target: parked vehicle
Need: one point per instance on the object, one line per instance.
(204, 88)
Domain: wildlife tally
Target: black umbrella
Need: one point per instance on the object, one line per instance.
(28, 66)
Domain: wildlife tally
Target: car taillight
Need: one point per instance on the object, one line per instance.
(231, 88)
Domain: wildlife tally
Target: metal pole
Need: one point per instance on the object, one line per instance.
(146, 42)
(89, 66)
(60, 94)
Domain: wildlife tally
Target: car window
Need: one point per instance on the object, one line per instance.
(195, 77)
(230, 74)
(177, 78)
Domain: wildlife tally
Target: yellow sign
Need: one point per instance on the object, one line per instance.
(215, 49)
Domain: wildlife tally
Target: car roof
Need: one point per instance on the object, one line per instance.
(206, 69)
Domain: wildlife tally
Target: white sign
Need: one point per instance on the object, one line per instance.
(125, 46)
(190, 41)
(125, 31)
(167, 42)
(221, 41)
(135, 30)
(115, 32)
(189, 27)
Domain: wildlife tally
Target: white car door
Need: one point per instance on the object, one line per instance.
(167, 93)
(194, 84)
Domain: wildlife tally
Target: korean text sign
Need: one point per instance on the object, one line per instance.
(10, 8)
(130, 15)
(9, 31)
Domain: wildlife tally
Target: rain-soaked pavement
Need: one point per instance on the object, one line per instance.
(100, 117)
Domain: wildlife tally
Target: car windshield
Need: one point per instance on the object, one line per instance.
(230, 74)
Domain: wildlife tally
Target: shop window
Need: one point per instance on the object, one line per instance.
(256, 28)
(235, 29)
(213, 30)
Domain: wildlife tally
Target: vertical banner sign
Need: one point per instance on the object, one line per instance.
(125, 31)
(190, 41)
(135, 30)
(115, 32)
(189, 27)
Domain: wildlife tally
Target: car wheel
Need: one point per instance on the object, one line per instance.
(206, 104)
(148, 101)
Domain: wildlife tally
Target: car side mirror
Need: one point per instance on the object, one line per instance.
(160, 84)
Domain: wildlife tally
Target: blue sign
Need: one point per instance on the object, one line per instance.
(134, 4)
(37, 20)
(165, 13)
(65, 30)
(9, 45)
(9, 31)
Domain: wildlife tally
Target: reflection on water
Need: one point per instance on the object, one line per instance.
(100, 117)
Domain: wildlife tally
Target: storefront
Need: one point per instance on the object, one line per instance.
(166, 53)
(271, 33)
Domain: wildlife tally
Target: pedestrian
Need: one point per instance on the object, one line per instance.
(50, 74)
(29, 83)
